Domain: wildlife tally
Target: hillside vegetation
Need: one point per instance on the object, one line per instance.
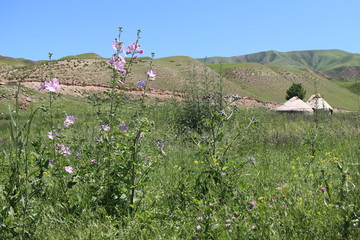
(264, 82)
(336, 63)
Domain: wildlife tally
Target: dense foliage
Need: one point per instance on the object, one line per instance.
(295, 90)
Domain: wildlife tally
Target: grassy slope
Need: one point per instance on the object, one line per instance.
(266, 83)
(326, 61)
(269, 83)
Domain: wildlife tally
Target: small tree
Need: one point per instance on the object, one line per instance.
(296, 89)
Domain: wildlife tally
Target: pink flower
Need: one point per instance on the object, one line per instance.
(151, 74)
(134, 47)
(63, 149)
(228, 224)
(116, 45)
(52, 85)
(52, 135)
(198, 227)
(105, 128)
(69, 169)
(252, 204)
(323, 189)
(93, 161)
(68, 121)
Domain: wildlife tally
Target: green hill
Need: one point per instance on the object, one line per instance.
(264, 82)
(269, 83)
(83, 56)
(330, 62)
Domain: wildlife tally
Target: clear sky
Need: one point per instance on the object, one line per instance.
(196, 28)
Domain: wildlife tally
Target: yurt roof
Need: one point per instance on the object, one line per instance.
(295, 104)
(317, 102)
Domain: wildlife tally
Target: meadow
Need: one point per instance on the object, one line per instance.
(117, 166)
(243, 174)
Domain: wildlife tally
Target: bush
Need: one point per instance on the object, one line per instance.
(296, 89)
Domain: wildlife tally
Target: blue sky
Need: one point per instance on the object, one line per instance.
(33, 28)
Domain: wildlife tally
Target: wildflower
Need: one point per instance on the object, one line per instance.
(196, 162)
(271, 206)
(78, 154)
(286, 185)
(141, 84)
(230, 230)
(68, 121)
(200, 219)
(93, 161)
(233, 218)
(69, 169)
(134, 47)
(198, 227)
(323, 189)
(52, 85)
(123, 126)
(53, 135)
(228, 220)
(63, 149)
(253, 226)
(152, 89)
(105, 128)
(279, 188)
(146, 159)
(311, 175)
(252, 204)
(151, 74)
(52, 161)
(228, 224)
(116, 45)
(261, 198)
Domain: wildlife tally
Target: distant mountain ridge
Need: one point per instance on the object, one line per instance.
(334, 63)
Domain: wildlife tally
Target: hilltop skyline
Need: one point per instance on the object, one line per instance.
(195, 29)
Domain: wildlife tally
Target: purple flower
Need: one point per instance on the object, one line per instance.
(146, 159)
(69, 169)
(152, 89)
(63, 149)
(123, 126)
(93, 161)
(78, 154)
(228, 224)
(105, 127)
(53, 135)
(52, 161)
(52, 85)
(68, 121)
(200, 219)
(151, 74)
(141, 84)
(252, 204)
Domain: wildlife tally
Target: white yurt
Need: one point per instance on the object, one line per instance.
(316, 102)
(295, 104)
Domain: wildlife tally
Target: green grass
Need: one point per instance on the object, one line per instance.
(285, 180)
(83, 56)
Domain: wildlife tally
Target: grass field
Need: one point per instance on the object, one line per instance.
(127, 168)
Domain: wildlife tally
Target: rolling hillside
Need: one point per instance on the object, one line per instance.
(334, 63)
(264, 82)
